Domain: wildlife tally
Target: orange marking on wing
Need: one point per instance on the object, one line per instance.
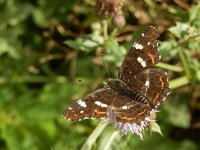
(162, 82)
(127, 118)
(156, 97)
(134, 118)
(100, 112)
(152, 58)
(141, 113)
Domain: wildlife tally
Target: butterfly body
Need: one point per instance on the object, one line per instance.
(128, 101)
(122, 88)
(118, 85)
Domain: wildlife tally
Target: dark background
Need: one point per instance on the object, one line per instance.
(50, 55)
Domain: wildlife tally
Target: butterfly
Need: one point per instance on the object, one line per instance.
(129, 100)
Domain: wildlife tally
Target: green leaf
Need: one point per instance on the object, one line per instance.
(177, 114)
(167, 49)
(115, 52)
(40, 18)
(194, 13)
(86, 43)
(156, 128)
(5, 47)
(180, 30)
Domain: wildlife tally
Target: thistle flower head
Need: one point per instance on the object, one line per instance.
(112, 9)
(134, 128)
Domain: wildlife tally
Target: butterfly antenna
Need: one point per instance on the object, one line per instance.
(105, 65)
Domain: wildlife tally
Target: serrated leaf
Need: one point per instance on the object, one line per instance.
(86, 43)
(167, 48)
(180, 30)
(115, 52)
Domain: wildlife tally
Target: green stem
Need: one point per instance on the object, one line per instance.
(105, 29)
(73, 67)
(185, 63)
(169, 67)
(179, 82)
(114, 32)
(32, 79)
(94, 135)
(110, 140)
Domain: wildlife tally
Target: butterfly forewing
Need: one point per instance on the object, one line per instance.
(93, 105)
(143, 54)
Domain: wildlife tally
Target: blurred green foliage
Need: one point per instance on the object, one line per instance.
(50, 54)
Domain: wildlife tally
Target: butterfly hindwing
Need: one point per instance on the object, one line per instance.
(127, 110)
(152, 84)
